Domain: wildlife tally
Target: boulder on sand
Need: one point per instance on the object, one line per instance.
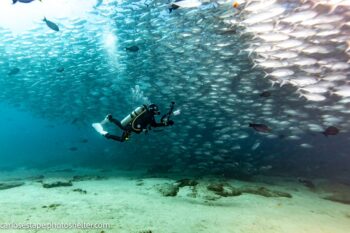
(8, 185)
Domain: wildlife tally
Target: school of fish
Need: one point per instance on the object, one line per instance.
(244, 74)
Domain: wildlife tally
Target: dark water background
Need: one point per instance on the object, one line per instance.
(29, 141)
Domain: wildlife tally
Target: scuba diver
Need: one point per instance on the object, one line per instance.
(142, 119)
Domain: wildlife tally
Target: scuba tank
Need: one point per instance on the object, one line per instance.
(129, 118)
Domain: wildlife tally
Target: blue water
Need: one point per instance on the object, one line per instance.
(31, 141)
(199, 62)
(208, 171)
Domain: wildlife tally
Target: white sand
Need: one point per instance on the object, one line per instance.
(132, 208)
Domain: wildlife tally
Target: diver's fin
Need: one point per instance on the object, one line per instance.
(98, 127)
(107, 119)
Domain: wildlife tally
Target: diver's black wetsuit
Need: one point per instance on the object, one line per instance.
(141, 123)
(114, 137)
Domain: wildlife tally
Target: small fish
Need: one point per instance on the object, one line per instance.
(255, 146)
(343, 91)
(60, 69)
(235, 4)
(73, 148)
(304, 81)
(51, 25)
(228, 31)
(133, 48)
(315, 89)
(265, 168)
(75, 120)
(23, 1)
(173, 7)
(265, 94)
(99, 3)
(260, 127)
(14, 71)
(282, 73)
(184, 4)
(313, 97)
(331, 130)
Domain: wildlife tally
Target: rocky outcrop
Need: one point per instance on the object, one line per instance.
(168, 190)
(86, 177)
(265, 192)
(58, 184)
(226, 190)
(9, 185)
(186, 182)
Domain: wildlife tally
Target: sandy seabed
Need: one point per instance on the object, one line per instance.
(131, 202)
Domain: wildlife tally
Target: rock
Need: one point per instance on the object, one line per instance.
(340, 198)
(282, 194)
(31, 178)
(52, 206)
(262, 191)
(193, 193)
(186, 182)
(334, 191)
(79, 191)
(168, 190)
(216, 187)
(139, 182)
(211, 197)
(224, 190)
(87, 177)
(8, 185)
(58, 184)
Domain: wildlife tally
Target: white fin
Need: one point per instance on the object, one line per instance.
(104, 121)
(98, 127)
